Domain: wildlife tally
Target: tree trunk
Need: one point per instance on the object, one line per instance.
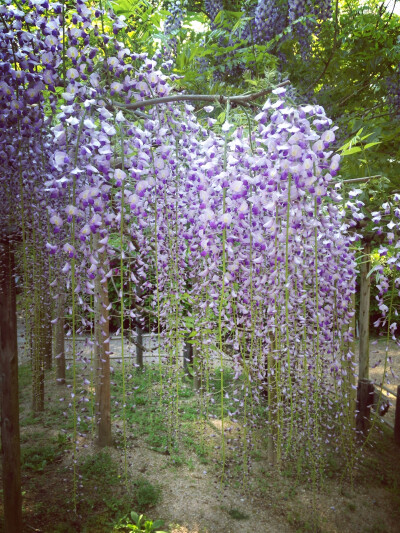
(10, 442)
(102, 334)
(59, 339)
(365, 292)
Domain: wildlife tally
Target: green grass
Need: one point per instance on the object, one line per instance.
(150, 419)
(99, 468)
(24, 377)
(237, 515)
(145, 494)
(106, 491)
(38, 451)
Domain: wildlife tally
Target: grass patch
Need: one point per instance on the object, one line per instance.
(99, 468)
(35, 457)
(103, 485)
(146, 495)
(237, 515)
(24, 377)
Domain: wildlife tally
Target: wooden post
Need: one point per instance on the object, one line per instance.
(102, 345)
(365, 400)
(397, 418)
(10, 441)
(139, 347)
(351, 367)
(188, 359)
(365, 292)
(198, 370)
(59, 339)
(47, 328)
(139, 333)
(37, 351)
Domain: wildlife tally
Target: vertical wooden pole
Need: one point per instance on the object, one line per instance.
(59, 339)
(102, 334)
(37, 333)
(365, 396)
(272, 387)
(365, 292)
(47, 328)
(139, 333)
(198, 370)
(10, 442)
(139, 349)
(397, 418)
(351, 368)
(187, 358)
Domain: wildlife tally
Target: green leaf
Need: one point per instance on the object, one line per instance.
(353, 150)
(346, 145)
(158, 523)
(221, 117)
(371, 144)
(218, 18)
(366, 136)
(189, 322)
(376, 267)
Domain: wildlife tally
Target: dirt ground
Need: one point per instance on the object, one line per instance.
(195, 501)
(272, 503)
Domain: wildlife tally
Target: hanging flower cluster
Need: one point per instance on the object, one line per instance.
(28, 41)
(258, 234)
(235, 238)
(386, 228)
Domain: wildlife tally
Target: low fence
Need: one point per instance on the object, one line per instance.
(147, 350)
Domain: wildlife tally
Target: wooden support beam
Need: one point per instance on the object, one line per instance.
(10, 440)
(198, 371)
(350, 366)
(397, 418)
(365, 295)
(139, 332)
(139, 347)
(188, 359)
(59, 339)
(365, 400)
(47, 330)
(102, 350)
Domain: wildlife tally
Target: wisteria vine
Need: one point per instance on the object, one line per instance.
(234, 236)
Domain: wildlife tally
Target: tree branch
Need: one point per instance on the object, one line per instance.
(360, 180)
(239, 99)
(334, 46)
